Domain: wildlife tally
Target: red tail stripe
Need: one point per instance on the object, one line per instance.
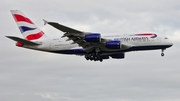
(35, 36)
(20, 18)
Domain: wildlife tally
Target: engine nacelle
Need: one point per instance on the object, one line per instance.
(105, 57)
(113, 44)
(118, 56)
(93, 37)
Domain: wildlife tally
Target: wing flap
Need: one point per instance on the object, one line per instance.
(25, 42)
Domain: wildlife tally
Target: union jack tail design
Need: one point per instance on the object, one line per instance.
(28, 29)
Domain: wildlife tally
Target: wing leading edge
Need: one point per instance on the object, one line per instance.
(63, 28)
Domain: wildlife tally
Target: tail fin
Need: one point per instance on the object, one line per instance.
(28, 29)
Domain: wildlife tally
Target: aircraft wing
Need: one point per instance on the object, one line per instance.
(75, 35)
(78, 38)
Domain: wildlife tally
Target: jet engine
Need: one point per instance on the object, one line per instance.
(93, 37)
(118, 56)
(113, 44)
(105, 57)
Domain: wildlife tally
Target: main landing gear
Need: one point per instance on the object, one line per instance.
(162, 54)
(94, 57)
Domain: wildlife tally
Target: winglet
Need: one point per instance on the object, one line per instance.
(45, 22)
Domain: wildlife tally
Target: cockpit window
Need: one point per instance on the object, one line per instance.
(165, 38)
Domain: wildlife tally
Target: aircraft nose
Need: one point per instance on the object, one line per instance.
(170, 43)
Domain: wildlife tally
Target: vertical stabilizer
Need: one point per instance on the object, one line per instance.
(28, 29)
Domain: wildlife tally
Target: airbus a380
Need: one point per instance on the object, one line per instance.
(93, 46)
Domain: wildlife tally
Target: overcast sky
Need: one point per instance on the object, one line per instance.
(28, 75)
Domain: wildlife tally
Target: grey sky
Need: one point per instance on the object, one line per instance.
(27, 75)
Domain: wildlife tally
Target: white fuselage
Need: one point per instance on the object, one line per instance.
(132, 43)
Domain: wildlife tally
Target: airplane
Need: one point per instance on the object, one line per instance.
(93, 46)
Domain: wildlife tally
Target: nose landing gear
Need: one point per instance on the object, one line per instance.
(162, 54)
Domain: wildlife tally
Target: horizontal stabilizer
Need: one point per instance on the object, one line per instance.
(25, 42)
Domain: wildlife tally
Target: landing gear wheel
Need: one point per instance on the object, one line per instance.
(87, 58)
(162, 54)
(93, 57)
